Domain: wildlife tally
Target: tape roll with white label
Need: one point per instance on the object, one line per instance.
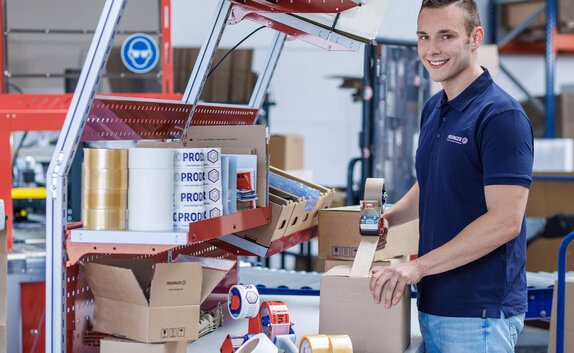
(243, 301)
(340, 344)
(315, 344)
(212, 157)
(182, 217)
(258, 344)
(188, 158)
(274, 319)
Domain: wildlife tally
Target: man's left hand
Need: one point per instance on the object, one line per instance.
(396, 277)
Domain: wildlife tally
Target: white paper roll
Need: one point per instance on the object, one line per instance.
(189, 177)
(258, 344)
(189, 157)
(145, 158)
(150, 189)
(183, 217)
(212, 157)
(189, 196)
(150, 220)
(212, 176)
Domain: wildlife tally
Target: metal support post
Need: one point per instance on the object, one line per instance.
(518, 29)
(58, 170)
(204, 60)
(561, 292)
(550, 66)
(258, 95)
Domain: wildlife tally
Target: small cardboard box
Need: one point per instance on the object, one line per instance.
(548, 197)
(568, 318)
(115, 345)
(286, 152)
(542, 255)
(172, 311)
(339, 235)
(347, 308)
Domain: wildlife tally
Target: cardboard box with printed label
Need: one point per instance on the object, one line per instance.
(286, 152)
(347, 307)
(172, 311)
(116, 345)
(339, 235)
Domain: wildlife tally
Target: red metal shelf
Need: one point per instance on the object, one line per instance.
(198, 232)
(563, 44)
(297, 6)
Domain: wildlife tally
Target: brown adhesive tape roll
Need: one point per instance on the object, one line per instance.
(104, 199)
(104, 158)
(341, 344)
(315, 344)
(113, 179)
(104, 219)
(374, 190)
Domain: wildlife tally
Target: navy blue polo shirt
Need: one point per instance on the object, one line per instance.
(481, 137)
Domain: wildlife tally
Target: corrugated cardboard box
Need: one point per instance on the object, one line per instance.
(542, 255)
(347, 307)
(568, 319)
(286, 152)
(117, 345)
(339, 235)
(172, 311)
(549, 197)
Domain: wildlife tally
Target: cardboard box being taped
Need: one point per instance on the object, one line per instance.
(339, 235)
(116, 345)
(172, 312)
(347, 307)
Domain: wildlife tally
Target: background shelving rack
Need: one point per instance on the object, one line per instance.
(555, 43)
(69, 303)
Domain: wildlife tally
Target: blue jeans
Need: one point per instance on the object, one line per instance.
(467, 334)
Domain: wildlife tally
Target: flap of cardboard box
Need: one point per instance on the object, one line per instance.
(114, 283)
(176, 284)
(344, 270)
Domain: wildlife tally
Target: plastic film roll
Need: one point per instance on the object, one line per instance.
(315, 344)
(340, 344)
(104, 199)
(104, 219)
(105, 158)
(243, 301)
(258, 344)
(151, 158)
(114, 179)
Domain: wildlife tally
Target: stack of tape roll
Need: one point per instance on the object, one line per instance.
(189, 192)
(150, 195)
(326, 344)
(104, 189)
(213, 185)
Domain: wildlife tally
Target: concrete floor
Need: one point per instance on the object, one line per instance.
(532, 340)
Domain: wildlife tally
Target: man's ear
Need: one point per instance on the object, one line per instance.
(476, 38)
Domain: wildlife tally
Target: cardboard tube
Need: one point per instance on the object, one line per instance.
(104, 219)
(105, 158)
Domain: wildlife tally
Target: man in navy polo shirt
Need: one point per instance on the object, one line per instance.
(474, 169)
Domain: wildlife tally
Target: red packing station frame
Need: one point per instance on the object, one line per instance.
(47, 112)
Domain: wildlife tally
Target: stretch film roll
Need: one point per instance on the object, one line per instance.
(112, 179)
(340, 344)
(104, 199)
(243, 301)
(156, 158)
(315, 344)
(258, 344)
(105, 158)
(104, 219)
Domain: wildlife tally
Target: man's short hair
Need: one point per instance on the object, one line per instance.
(469, 7)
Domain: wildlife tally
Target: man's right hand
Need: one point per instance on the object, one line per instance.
(383, 230)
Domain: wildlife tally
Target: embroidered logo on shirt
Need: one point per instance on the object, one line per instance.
(457, 139)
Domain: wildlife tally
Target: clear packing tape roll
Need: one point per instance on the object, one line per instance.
(104, 219)
(104, 158)
(109, 179)
(326, 344)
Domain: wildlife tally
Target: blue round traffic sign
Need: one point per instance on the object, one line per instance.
(140, 53)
